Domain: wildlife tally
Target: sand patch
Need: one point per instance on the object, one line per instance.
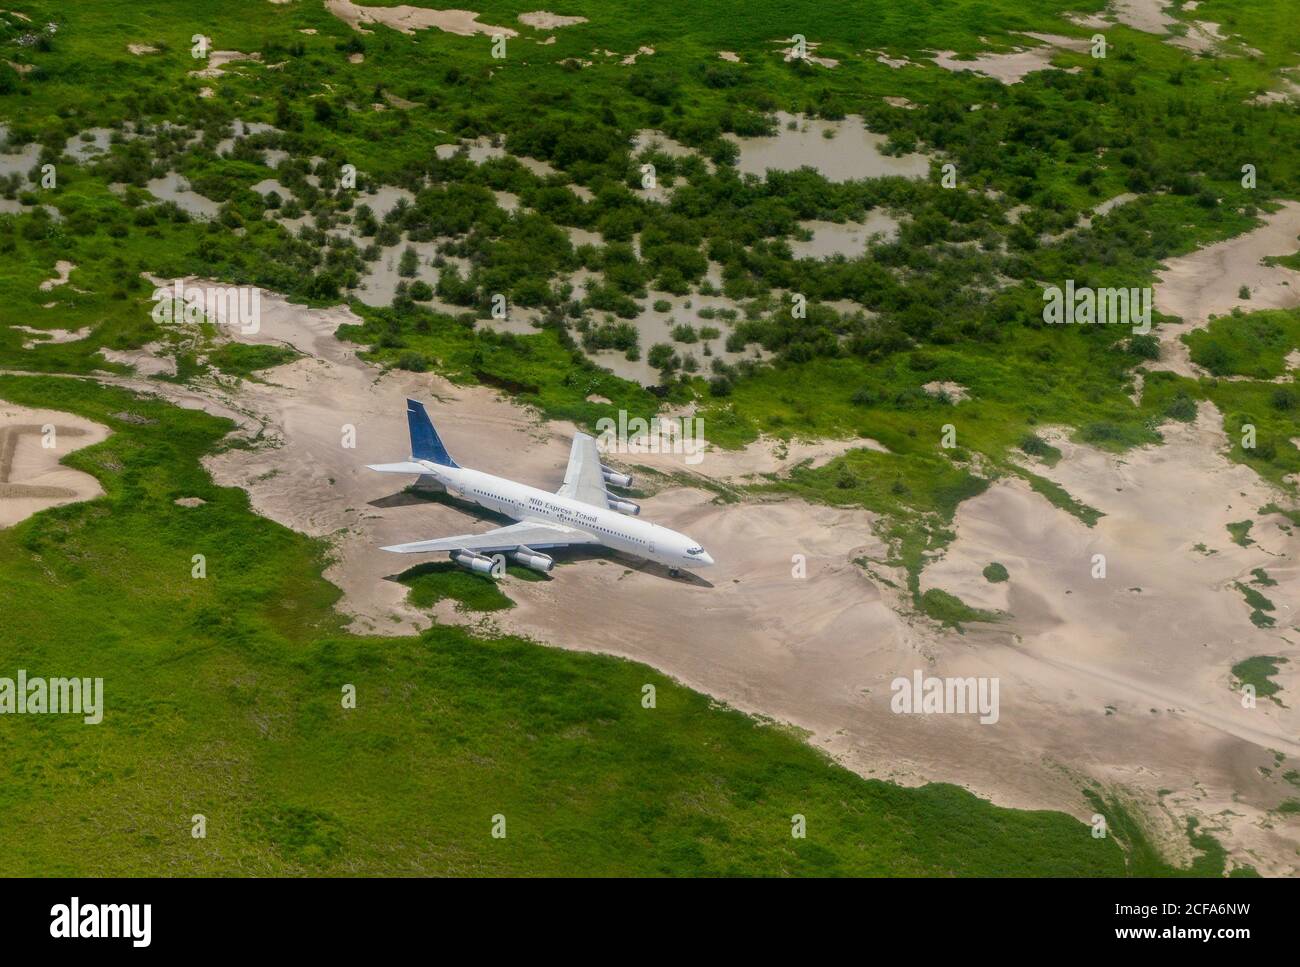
(792, 52)
(1148, 16)
(52, 337)
(1290, 91)
(1208, 281)
(174, 188)
(189, 501)
(630, 59)
(850, 151)
(64, 270)
(141, 49)
(1151, 16)
(218, 59)
(849, 239)
(1112, 203)
(407, 20)
(730, 56)
(892, 62)
(1094, 21)
(401, 103)
(32, 443)
(545, 20)
(955, 392)
(486, 148)
(149, 360)
(1014, 67)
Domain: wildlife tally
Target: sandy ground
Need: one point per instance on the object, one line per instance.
(218, 59)
(1014, 67)
(1145, 15)
(791, 52)
(1098, 681)
(1149, 648)
(51, 337)
(31, 478)
(545, 20)
(850, 151)
(64, 270)
(410, 19)
(1208, 281)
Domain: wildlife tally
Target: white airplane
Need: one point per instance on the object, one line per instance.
(582, 511)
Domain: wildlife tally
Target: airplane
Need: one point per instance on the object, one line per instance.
(581, 512)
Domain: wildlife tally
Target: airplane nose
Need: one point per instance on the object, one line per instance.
(706, 560)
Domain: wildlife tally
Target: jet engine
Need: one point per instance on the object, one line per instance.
(624, 506)
(531, 558)
(614, 477)
(471, 561)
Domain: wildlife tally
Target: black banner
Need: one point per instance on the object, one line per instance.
(332, 917)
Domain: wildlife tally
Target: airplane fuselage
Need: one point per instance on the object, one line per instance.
(613, 529)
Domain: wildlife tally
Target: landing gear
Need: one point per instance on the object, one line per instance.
(674, 572)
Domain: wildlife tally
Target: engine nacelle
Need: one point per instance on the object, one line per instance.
(615, 478)
(624, 506)
(470, 561)
(532, 559)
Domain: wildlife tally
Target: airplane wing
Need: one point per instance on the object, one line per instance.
(534, 534)
(583, 479)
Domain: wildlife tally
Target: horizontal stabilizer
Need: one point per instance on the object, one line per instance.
(407, 467)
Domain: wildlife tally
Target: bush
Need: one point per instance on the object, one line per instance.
(1182, 407)
(1144, 347)
(663, 357)
(412, 361)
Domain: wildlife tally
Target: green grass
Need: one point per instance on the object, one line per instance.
(1258, 603)
(431, 583)
(1144, 858)
(1258, 672)
(995, 573)
(1239, 344)
(1240, 531)
(950, 611)
(243, 359)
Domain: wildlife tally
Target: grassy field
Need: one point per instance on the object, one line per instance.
(230, 686)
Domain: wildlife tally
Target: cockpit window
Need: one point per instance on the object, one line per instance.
(694, 550)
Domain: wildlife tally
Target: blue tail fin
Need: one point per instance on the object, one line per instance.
(425, 442)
